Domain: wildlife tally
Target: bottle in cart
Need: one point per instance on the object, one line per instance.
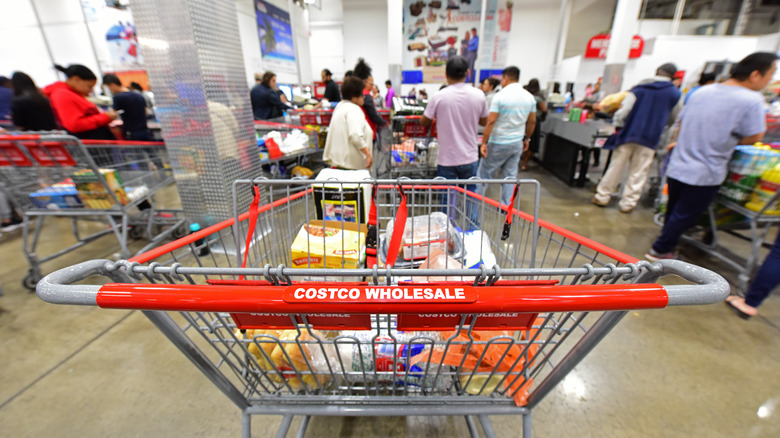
(200, 245)
(422, 153)
(433, 152)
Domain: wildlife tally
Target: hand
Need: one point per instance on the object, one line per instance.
(483, 150)
(671, 146)
(369, 161)
(526, 145)
(113, 114)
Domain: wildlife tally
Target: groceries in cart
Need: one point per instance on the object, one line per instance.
(763, 196)
(415, 152)
(746, 168)
(92, 191)
(56, 196)
(421, 233)
(329, 244)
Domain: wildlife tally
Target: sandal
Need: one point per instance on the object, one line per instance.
(734, 307)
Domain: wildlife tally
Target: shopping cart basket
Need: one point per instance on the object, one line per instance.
(280, 336)
(413, 151)
(52, 174)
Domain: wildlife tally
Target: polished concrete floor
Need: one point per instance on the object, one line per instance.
(677, 372)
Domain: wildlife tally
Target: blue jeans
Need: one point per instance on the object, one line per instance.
(685, 206)
(464, 171)
(502, 161)
(768, 277)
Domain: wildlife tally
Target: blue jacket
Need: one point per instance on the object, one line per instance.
(650, 114)
(266, 103)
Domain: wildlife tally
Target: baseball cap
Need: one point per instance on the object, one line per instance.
(669, 69)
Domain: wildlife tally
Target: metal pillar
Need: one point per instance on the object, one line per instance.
(744, 14)
(193, 57)
(678, 12)
(624, 27)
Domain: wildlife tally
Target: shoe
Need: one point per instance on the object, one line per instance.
(739, 307)
(596, 201)
(654, 256)
(626, 210)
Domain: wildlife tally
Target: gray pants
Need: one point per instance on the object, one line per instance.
(502, 162)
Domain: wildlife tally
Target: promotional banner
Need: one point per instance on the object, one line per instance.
(113, 35)
(436, 30)
(276, 38)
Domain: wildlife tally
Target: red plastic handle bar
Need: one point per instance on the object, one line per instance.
(121, 143)
(19, 137)
(270, 299)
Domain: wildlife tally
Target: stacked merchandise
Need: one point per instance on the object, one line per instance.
(278, 144)
(414, 148)
(753, 176)
(85, 190)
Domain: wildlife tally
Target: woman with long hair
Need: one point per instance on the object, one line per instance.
(30, 109)
(541, 114)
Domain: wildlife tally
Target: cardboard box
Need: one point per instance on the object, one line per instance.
(94, 194)
(309, 249)
(57, 196)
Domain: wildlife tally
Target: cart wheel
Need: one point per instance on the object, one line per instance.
(135, 232)
(179, 232)
(31, 280)
(707, 238)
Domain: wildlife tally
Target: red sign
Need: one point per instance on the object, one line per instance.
(50, 154)
(484, 321)
(598, 45)
(10, 155)
(417, 294)
(322, 321)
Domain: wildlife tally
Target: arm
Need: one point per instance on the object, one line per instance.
(277, 101)
(530, 127)
(491, 121)
(752, 139)
(368, 105)
(483, 121)
(73, 118)
(625, 109)
(356, 129)
(424, 121)
(676, 111)
(543, 108)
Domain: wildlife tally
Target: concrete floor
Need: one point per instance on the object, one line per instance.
(678, 372)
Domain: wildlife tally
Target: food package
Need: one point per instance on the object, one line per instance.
(421, 232)
(478, 251)
(404, 153)
(438, 259)
(764, 191)
(329, 245)
(56, 196)
(93, 193)
(498, 358)
(372, 358)
(297, 363)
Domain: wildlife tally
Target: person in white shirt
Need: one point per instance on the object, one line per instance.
(507, 135)
(349, 141)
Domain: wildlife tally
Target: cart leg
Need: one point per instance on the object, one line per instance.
(246, 425)
(487, 427)
(527, 425)
(472, 427)
(284, 427)
(304, 424)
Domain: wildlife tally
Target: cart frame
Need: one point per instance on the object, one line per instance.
(609, 282)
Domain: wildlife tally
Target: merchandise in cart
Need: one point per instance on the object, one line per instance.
(291, 145)
(414, 149)
(289, 315)
(746, 206)
(115, 182)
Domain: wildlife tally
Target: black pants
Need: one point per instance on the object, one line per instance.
(686, 205)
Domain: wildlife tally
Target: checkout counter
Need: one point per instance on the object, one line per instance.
(566, 147)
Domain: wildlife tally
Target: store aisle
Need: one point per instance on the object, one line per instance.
(680, 372)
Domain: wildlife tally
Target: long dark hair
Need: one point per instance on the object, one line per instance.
(78, 71)
(23, 84)
(533, 86)
(362, 69)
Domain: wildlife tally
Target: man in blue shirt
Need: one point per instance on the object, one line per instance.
(716, 119)
(644, 112)
(132, 107)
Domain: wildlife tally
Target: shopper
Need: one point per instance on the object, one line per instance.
(266, 103)
(148, 97)
(348, 145)
(73, 111)
(379, 101)
(716, 119)
(390, 94)
(30, 109)
(6, 96)
(556, 98)
(541, 114)
(458, 110)
(471, 54)
(331, 87)
(490, 87)
(363, 71)
(704, 79)
(767, 279)
(132, 107)
(643, 114)
(511, 122)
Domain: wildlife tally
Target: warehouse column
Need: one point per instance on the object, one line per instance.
(192, 53)
(395, 38)
(624, 27)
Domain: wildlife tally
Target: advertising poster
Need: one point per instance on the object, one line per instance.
(113, 33)
(276, 38)
(436, 30)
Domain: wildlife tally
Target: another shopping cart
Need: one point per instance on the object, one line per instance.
(452, 313)
(413, 151)
(51, 174)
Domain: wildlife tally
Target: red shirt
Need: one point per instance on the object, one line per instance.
(72, 111)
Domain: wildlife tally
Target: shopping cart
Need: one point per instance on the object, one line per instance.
(413, 151)
(52, 174)
(280, 336)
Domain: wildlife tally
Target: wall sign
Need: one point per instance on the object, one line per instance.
(598, 45)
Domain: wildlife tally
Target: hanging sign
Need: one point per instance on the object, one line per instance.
(598, 45)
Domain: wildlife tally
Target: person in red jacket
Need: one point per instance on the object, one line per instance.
(73, 111)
